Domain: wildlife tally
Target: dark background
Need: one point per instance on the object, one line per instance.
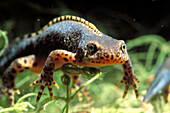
(123, 19)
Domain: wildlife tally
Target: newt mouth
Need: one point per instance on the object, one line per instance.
(108, 58)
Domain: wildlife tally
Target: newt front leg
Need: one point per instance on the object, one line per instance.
(55, 60)
(128, 78)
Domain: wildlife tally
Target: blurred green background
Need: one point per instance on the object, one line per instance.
(144, 25)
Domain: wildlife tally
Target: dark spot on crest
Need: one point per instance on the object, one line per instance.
(74, 61)
(58, 54)
(92, 61)
(111, 57)
(65, 59)
(101, 57)
(56, 59)
(107, 56)
(25, 61)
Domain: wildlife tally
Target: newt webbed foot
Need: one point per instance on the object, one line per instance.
(45, 82)
(10, 92)
(129, 81)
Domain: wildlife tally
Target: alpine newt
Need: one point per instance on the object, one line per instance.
(66, 39)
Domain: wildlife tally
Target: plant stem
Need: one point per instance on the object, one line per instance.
(67, 100)
(3, 34)
(67, 105)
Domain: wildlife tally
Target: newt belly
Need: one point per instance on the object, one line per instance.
(66, 39)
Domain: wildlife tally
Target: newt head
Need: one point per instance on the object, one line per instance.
(104, 51)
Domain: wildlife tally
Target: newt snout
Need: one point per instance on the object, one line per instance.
(106, 53)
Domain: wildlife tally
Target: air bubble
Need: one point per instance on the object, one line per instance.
(134, 19)
(38, 19)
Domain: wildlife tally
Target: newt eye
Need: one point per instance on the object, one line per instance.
(123, 47)
(92, 48)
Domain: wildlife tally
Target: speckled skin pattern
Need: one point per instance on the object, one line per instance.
(66, 39)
